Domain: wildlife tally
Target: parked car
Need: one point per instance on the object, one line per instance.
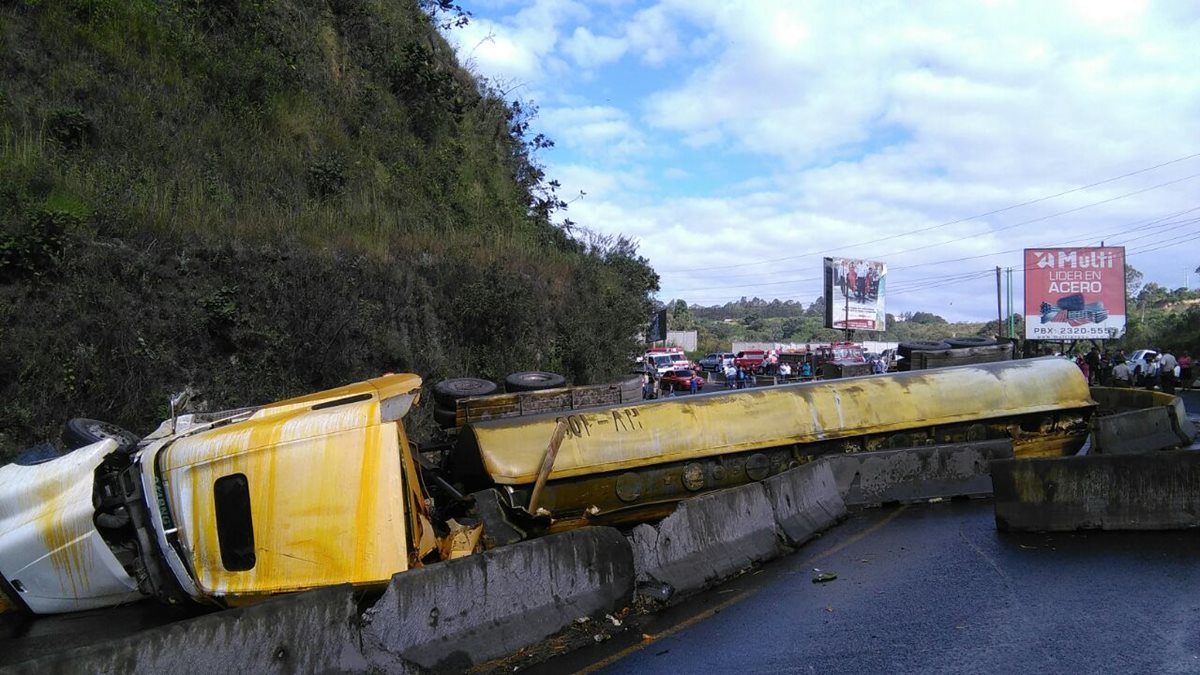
(680, 379)
(712, 362)
(1137, 361)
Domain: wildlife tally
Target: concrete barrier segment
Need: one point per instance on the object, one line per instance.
(1138, 431)
(1156, 491)
(917, 474)
(707, 539)
(311, 632)
(805, 501)
(452, 615)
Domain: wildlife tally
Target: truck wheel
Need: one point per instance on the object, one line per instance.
(971, 341)
(446, 392)
(81, 431)
(533, 380)
(445, 418)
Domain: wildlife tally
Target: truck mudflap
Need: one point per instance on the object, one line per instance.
(633, 457)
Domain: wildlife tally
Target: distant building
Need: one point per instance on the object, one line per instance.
(682, 338)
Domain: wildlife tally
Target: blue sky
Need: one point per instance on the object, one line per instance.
(739, 143)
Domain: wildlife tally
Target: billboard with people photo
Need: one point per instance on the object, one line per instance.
(854, 294)
(1075, 293)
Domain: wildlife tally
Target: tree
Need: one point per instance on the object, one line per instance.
(680, 316)
(927, 318)
(1133, 281)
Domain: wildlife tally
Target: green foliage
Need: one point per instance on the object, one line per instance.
(926, 318)
(70, 127)
(326, 178)
(260, 199)
(33, 250)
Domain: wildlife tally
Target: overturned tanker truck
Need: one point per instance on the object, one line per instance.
(229, 508)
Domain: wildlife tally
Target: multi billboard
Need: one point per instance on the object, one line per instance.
(1074, 293)
(854, 294)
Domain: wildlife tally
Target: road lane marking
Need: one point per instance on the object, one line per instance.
(697, 618)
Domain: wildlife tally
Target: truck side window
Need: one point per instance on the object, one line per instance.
(235, 527)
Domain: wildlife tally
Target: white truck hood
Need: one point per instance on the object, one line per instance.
(50, 551)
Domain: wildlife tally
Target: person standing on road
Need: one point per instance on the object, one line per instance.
(730, 376)
(1185, 370)
(1093, 361)
(1150, 372)
(1166, 370)
(1122, 376)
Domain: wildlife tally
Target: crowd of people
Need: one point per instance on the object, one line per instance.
(1161, 370)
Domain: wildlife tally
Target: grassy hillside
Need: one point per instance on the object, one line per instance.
(261, 198)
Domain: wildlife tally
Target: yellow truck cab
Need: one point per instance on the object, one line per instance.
(222, 507)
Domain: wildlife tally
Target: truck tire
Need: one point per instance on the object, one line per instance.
(906, 349)
(533, 380)
(444, 417)
(81, 431)
(446, 392)
(971, 341)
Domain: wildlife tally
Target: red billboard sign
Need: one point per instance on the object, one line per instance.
(1074, 293)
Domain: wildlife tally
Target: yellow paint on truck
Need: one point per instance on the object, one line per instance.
(326, 488)
(619, 438)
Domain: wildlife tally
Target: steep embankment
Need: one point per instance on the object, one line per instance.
(258, 199)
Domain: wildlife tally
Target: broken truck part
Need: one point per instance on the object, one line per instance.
(229, 508)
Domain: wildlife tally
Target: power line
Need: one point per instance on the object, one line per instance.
(961, 220)
(1134, 226)
(936, 281)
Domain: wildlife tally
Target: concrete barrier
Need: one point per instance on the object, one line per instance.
(1139, 420)
(805, 501)
(302, 633)
(456, 614)
(917, 474)
(707, 539)
(1109, 492)
(1136, 431)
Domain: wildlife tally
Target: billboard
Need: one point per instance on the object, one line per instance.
(1075, 293)
(854, 294)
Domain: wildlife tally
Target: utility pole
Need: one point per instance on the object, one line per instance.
(999, 309)
(1012, 329)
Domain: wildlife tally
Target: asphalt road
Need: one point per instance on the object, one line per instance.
(935, 588)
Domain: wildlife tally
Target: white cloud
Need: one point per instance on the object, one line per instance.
(721, 134)
(589, 50)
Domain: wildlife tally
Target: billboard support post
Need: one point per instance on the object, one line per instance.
(846, 320)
